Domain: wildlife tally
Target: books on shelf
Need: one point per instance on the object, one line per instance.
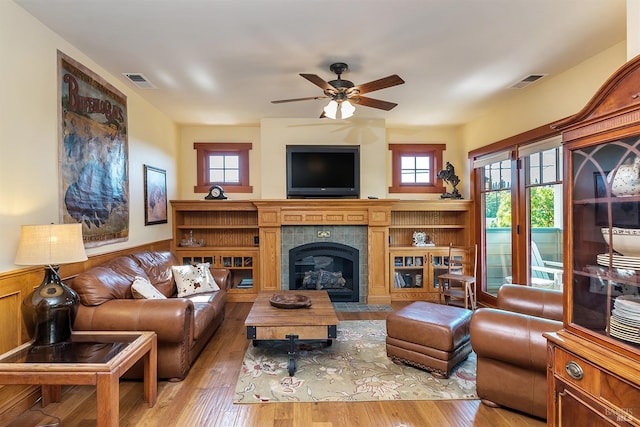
(245, 283)
(398, 281)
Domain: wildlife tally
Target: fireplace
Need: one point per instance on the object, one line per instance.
(354, 236)
(329, 266)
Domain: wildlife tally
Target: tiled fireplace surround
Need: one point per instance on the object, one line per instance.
(351, 235)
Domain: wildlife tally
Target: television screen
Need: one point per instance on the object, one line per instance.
(323, 171)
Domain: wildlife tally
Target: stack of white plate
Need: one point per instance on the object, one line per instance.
(619, 261)
(625, 318)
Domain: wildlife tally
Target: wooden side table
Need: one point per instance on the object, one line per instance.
(90, 358)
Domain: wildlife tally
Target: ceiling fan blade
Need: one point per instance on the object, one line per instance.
(280, 101)
(373, 103)
(382, 83)
(318, 81)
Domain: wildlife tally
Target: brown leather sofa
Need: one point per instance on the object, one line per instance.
(510, 348)
(183, 325)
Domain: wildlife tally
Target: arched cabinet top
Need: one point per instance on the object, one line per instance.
(614, 107)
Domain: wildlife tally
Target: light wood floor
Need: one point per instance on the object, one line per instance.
(205, 398)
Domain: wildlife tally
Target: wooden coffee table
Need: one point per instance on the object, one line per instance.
(90, 358)
(318, 322)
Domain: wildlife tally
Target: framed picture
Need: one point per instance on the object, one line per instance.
(155, 195)
(624, 214)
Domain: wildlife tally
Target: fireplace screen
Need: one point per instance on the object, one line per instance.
(332, 267)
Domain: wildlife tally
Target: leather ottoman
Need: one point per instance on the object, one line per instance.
(429, 336)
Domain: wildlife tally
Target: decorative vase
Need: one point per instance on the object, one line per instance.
(50, 310)
(625, 181)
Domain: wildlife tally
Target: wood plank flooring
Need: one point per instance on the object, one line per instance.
(205, 398)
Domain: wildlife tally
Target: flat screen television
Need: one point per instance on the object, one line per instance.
(317, 171)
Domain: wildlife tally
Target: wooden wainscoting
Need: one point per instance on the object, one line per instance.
(15, 285)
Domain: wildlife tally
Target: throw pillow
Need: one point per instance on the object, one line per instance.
(210, 279)
(143, 289)
(193, 279)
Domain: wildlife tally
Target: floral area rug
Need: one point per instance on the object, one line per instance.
(354, 368)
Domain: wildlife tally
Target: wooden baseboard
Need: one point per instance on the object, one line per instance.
(378, 299)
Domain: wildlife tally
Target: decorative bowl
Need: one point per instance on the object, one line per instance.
(290, 301)
(626, 241)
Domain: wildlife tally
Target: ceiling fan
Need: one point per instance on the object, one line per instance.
(343, 92)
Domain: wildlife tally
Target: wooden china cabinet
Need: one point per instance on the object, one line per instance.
(594, 361)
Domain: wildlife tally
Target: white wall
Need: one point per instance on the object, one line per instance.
(455, 152)
(276, 134)
(268, 174)
(633, 28)
(29, 135)
(550, 99)
(188, 156)
(267, 158)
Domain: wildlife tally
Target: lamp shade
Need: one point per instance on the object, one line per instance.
(50, 244)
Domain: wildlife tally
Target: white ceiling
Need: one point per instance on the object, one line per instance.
(221, 62)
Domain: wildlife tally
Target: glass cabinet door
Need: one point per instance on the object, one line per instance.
(605, 241)
(408, 270)
(439, 264)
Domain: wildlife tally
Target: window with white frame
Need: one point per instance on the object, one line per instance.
(415, 168)
(224, 168)
(225, 164)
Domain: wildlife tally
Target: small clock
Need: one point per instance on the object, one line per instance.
(215, 193)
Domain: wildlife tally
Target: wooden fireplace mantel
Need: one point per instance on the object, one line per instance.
(275, 213)
(374, 213)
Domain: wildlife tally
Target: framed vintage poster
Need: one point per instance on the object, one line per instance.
(155, 195)
(93, 154)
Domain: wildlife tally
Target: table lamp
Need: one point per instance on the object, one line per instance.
(50, 310)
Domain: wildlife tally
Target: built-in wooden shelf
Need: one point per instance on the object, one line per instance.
(252, 228)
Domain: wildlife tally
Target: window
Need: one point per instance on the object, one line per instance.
(519, 186)
(224, 168)
(225, 164)
(543, 192)
(415, 168)
(495, 173)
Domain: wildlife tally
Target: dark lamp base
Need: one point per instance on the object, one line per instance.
(50, 310)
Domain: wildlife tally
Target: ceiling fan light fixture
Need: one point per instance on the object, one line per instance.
(339, 109)
(347, 109)
(341, 91)
(331, 109)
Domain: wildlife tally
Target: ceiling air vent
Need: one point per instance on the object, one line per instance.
(139, 80)
(527, 81)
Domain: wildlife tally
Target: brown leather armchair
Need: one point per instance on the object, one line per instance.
(510, 348)
(183, 325)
